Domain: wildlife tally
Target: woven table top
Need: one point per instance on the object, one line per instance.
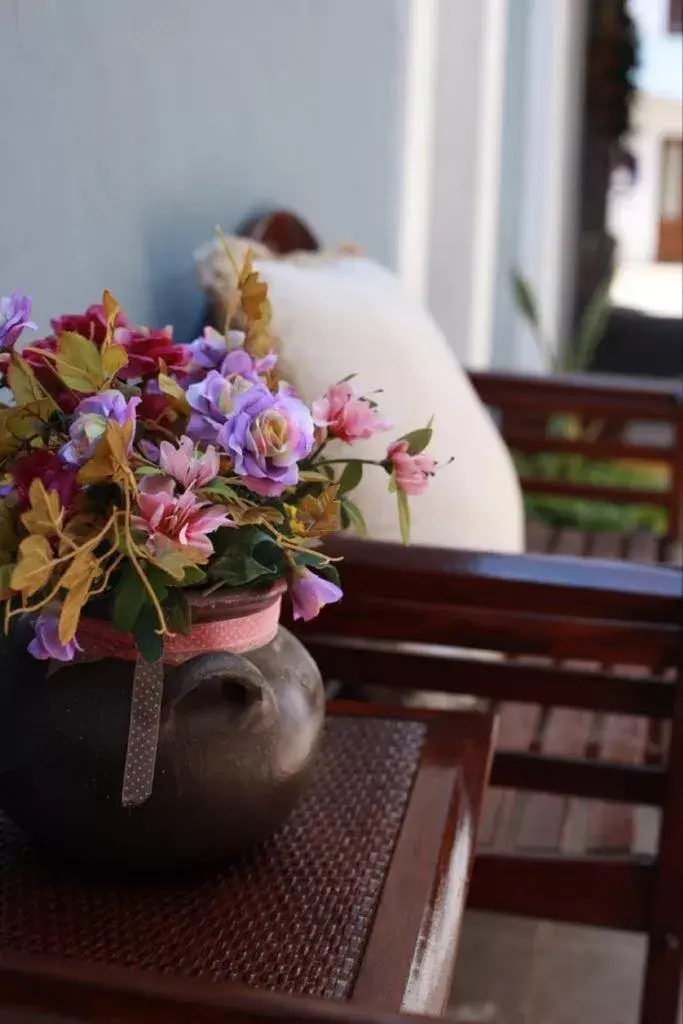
(294, 916)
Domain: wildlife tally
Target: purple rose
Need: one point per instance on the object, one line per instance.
(267, 435)
(46, 645)
(211, 401)
(310, 593)
(15, 311)
(90, 422)
(212, 352)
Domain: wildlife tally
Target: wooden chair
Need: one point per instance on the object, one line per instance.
(622, 408)
(587, 644)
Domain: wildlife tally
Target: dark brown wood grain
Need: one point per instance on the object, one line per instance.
(620, 626)
(113, 995)
(604, 892)
(410, 951)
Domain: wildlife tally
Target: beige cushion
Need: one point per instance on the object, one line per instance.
(339, 314)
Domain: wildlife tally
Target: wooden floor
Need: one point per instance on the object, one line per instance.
(525, 822)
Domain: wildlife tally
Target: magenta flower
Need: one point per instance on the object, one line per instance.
(310, 593)
(90, 422)
(175, 522)
(187, 465)
(47, 467)
(46, 644)
(267, 436)
(411, 472)
(347, 416)
(15, 311)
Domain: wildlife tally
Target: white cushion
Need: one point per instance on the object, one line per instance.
(336, 315)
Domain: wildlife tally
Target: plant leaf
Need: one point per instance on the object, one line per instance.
(403, 515)
(593, 326)
(34, 568)
(129, 597)
(45, 514)
(351, 477)
(418, 440)
(177, 612)
(79, 362)
(354, 517)
(22, 381)
(149, 642)
(525, 299)
(114, 358)
(70, 614)
(246, 559)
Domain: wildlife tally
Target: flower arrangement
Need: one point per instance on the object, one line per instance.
(133, 468)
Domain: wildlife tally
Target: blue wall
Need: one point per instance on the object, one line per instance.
(131, 127)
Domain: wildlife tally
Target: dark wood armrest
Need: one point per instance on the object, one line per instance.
(559, 607)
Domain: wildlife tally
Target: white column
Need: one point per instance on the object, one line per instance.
(551, 156)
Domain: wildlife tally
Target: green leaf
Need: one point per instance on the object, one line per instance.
(249, 558)
(525, 299)
(592, 327)
(311, 559)
(149, 471)
(160, 582)
(221, 490)
(193, 576)
(129, 597)
(330, 573)
(149, 642)
(403, 515)
(79, 362)
(418, 440)
(177, 612)
(351, 477)
(353, 517)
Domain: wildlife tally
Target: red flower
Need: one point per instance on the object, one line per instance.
(54, 474)
(147, 349)
(91, 324)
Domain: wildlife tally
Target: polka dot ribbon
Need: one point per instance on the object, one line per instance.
(99, 639)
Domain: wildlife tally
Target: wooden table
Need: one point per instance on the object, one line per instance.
(358, 899)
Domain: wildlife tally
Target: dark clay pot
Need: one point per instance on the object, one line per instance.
(237, 743)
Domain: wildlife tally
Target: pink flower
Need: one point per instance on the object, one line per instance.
(347, 416)
(181, 522)
(411, 472)
(310, 593)
(186, 464)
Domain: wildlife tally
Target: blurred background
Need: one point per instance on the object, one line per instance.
(456, 142)
(518, 163)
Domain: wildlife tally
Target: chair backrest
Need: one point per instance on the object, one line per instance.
(637, 423)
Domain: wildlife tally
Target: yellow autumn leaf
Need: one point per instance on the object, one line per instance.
(84, 566)
(254, 516)
(111, 308)
(110, 461)
(45, 514)
(34, 567)
(22, 381)
(79, 362)
(175, 562)
(114, 358)
(253, 292)
(258, 342)
(72, 605)
(318, 516)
